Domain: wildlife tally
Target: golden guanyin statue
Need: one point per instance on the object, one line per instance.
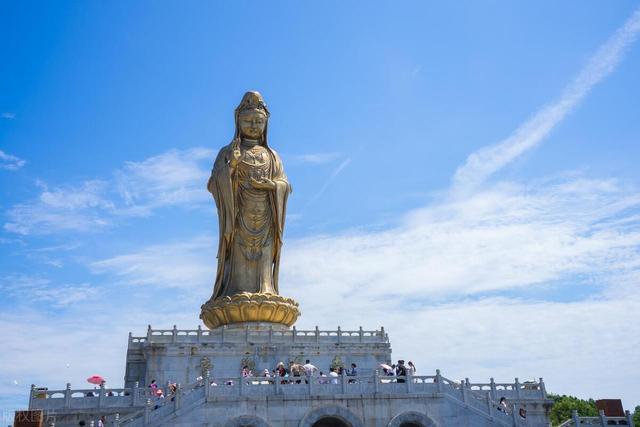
(250, 189)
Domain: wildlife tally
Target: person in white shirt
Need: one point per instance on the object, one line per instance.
(334, 375)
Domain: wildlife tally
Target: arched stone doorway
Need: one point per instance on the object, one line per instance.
(331, 422)
(331, 416)
(246, 421)
(411, 419)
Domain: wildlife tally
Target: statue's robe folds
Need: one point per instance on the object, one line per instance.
(251, 220)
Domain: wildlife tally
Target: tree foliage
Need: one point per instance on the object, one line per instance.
(636, 416)
(564, 405)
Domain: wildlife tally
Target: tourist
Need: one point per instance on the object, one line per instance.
(296, 370)
(102, 421)
(334, 376)
(523, 413)
(502, 406)
(309, 369)
(246, 372)
(401, 371)
(153, 384)
(353, 372)
(411, 368)
(323, 378)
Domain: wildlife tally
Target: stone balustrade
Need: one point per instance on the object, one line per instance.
(478, 395)
(266, 334)
(600, 420)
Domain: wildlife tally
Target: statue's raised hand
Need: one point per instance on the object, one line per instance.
(235, 158)
(264, 184)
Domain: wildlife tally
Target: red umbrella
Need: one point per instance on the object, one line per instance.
(95, 379)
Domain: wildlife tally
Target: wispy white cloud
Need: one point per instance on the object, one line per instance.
(483, 163)
(8, 116)
(82, 208)
(137, 189)
(332, 177)
(171, 178)
(9, 162)
(316, 158)
(190, 264)
(38, 290)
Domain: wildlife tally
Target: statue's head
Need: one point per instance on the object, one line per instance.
(252, 116)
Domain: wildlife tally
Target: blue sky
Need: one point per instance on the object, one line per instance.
(464, 174)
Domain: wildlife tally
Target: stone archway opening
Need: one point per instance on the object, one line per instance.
(331, 422)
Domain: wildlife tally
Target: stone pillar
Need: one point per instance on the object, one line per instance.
(293, 332)
(199, 336)
(490, 405)
(543, 388)
(116, 421)
(361, 334)
(376, 381)
(438, 381)
(147, 412)
(339, 335)
(344, 382)
(493, 389)
(627, 415)
(463, 390)
(31, 395)
(67, 396)
(207, 385)
(576, 418)
(174, 334)
(148, 333)
(101, 395)
(517, 386)
(178, 397)
(603, 419)
(136, 393)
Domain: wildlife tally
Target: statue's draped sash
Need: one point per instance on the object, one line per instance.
(224, 187)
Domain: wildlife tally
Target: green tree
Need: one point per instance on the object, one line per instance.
(564, 405)
(636, 416)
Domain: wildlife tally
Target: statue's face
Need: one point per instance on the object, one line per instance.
(252, 124)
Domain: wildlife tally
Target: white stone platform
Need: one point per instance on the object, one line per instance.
(224, 399)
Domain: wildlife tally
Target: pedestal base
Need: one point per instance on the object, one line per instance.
(249, 307)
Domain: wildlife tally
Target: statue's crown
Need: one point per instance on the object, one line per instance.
(252, 100)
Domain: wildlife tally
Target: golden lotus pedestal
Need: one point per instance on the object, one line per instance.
(249, 308)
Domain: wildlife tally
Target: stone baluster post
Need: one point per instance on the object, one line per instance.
(207, 384)
(130, 338)
(382, 333)
(177, 398)
(489, 406)
(376, 381)
(492, 384)
(360, 331)
(344, 382)
(517, 386)
(514, 414)
(148, 333)
(293, 334)
(603, 419)
(543, 389)
(32, 395)
(627, 415)
(317, 335)
(276, 381)
(174, 334)
(270, 334)
(309, 382)
(339, 335)
(224, 328)
(246, 334)
(136, 393)
(116, 421)
(199, 336)
(576, 418)
(101, 395)
(463, 391)
(241, 387)
(438, 381)
(67, 396)
(147, 412)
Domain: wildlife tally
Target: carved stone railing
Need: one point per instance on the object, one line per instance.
(600, 420)
(267, 334)
(139, 404)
